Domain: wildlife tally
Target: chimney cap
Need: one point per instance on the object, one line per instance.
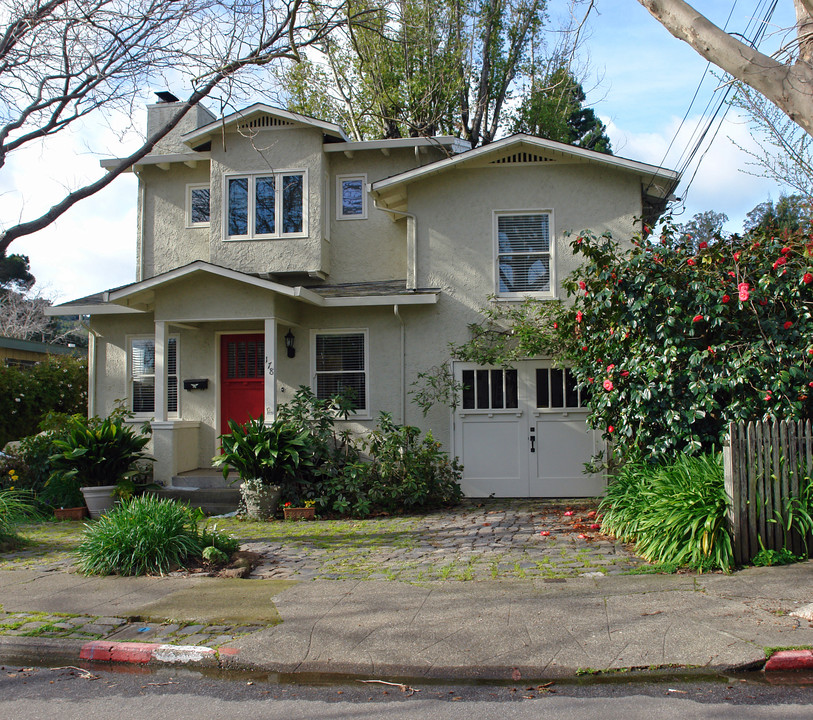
(166, 97)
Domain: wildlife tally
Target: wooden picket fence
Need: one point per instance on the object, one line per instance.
(765, 463)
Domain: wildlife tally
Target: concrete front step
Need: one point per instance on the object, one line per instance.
(213, 501)
(203, 478)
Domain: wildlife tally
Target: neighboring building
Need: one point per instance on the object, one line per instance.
(25, 353)
(266, 228)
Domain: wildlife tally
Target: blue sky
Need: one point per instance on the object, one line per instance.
(640, 82)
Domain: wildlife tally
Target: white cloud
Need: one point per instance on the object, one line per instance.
(722, 182)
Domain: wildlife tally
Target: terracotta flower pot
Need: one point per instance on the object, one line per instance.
(74, 513)
(299, 513)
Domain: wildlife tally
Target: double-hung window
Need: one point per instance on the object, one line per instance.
(142, 375)
(351, 197)
(266, 205)
(340, 366)
(524, 253)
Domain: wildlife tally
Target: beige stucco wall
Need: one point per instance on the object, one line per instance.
(270, 150)
(168, 243)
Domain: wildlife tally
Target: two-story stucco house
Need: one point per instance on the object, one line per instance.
(273, 252)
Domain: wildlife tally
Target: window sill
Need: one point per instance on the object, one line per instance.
(266, 238)
(523, 297)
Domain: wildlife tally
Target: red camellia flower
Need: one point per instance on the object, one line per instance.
(810, 384)
(610, 368)
(611, 429)
(743, 289)
(625, 373)
(736, 257)
(589, 380)
(555, 326)
(690, 261)
(779, 261)
(697, 318)
(810, 351)
(584, 347)
(768, 397)
(579, 316)
(608, 385)
(725, 299)
(711, 350)
(785, 250)
(788, 325)
(703, 245)
(807, 278)
(582, 285)
(731, 273)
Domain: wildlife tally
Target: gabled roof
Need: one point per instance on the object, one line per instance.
(259, 116)
(658, 182)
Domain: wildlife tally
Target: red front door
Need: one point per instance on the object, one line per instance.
(242, 359)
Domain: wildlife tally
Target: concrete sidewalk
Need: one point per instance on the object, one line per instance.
(479, 629)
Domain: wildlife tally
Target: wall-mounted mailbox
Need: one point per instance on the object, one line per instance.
(199, 384)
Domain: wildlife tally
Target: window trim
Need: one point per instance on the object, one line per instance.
(174, 414)
(190, 188)
(251, 214)
(495, 244)
(360, 413)
(340, 179)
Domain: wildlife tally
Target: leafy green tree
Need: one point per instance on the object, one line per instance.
(15, 273)
(554, 109)
(673, 342)
(420, 68)
(704, 227)
(790, 213)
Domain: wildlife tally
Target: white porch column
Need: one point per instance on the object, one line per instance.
(161, 342)
(270, 370)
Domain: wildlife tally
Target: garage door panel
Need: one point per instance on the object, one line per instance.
(564, 445)
(493, 458)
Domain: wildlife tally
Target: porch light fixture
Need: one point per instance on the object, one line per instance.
(289, 344)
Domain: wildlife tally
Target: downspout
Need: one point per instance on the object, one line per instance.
(412, 245)
(141, 219)
(403, 364)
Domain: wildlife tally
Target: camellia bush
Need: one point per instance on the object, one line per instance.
(59, 384)
(673, 342)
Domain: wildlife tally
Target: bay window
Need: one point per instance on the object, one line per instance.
(267, 205)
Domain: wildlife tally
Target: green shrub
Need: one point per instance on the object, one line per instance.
(15, 507)
(146, 535)
(58, 383)
(675, 512)
(99, 451)
(403, 472)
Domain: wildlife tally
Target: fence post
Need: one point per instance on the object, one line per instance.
(731, 490)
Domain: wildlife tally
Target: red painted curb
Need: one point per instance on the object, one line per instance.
(117, 652)
(790, 660)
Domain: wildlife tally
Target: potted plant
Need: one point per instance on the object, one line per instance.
(265, 457)
(300, 513)
(99, 455)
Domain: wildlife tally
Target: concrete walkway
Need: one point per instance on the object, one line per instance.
(513, 600)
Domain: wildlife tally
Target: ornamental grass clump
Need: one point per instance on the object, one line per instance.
(675, 512)
(147, 535)
(16, 506)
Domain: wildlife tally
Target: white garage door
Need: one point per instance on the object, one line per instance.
(521, 432)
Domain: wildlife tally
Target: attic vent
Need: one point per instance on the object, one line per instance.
(521, 157)
(263, 121)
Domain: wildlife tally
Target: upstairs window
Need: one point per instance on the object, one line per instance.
(266, 206)
(197, 205)
(524, 254)
(351, 197)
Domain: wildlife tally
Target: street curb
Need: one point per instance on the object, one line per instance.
(785, 660)
(153, 653)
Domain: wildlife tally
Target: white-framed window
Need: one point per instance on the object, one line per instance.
(141, 385)
(351, 197)
(524, 253)
(557, 389)
(198, 209)
(490, 389)
(340, 364)
(266, 205)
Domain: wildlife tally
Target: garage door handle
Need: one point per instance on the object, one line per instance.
(533, 440)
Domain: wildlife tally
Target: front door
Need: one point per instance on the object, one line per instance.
(242, 360)
(522, 432)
